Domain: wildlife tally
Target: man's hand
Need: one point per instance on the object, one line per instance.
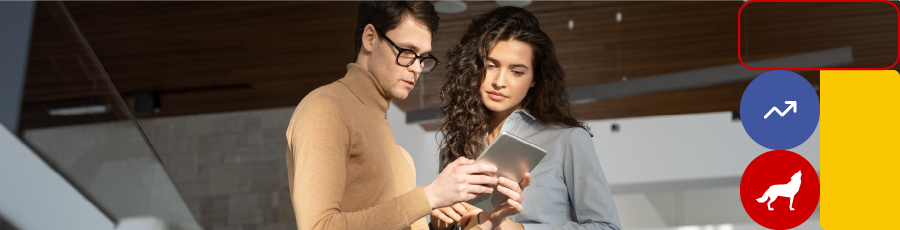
(513, 205)
(461, 180)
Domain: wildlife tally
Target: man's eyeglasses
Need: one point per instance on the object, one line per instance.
(407, 57)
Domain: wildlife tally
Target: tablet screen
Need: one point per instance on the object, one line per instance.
(513, 157)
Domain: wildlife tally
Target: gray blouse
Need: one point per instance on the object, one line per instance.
(568, 189)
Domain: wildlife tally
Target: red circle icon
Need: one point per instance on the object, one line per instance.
(780, 189)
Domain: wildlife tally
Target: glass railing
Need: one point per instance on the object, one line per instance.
(74, 117)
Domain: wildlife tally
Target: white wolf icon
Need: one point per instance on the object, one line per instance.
(786, 190)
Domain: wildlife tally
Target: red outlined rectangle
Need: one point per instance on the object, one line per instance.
(755, 1)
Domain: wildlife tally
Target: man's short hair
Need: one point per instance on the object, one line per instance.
(387, 15)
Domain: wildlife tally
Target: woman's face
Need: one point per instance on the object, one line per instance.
(508, 75)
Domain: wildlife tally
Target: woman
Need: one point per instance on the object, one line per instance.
(504, 76)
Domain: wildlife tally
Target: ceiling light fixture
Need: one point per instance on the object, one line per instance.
(450, 7)
(516, 3)
(81, 110)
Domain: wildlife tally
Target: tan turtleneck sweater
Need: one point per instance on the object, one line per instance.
(345, 169)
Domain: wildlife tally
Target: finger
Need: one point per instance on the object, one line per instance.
(525, 181)
(508, 208)
(513, 195)
(516, 206)
(478, 169)
(478, 189)
(470, 207)
(437, 222)
(481, 180)
(465, 161)
(449, 212)
(457, 162)
(460, 161)
(460, 209)
(505, 182)
(441, 216)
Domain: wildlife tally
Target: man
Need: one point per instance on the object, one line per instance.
(345, 169)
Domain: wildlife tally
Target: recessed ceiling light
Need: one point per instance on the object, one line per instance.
(82, 110)
(517, 3)
(618, 16)
(450, 7)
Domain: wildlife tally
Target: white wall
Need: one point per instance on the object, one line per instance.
(35, 196)
(684, 169)
(680, 147)
(422, 145)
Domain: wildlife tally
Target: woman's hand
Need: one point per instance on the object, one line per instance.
(513, 205)
(444, 218)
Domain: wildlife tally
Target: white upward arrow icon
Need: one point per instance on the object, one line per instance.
(792, 104)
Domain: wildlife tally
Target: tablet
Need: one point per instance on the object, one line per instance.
(513, 157)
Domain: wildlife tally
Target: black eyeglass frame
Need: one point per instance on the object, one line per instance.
(421, 58)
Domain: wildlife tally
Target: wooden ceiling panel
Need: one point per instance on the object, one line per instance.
(206, 57)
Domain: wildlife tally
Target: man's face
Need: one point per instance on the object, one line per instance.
(394, 79)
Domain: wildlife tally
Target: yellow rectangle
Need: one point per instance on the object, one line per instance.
(860, 132)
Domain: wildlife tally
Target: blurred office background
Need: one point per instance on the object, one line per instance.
(171, 115)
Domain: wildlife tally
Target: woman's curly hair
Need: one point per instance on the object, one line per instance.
(466, 119)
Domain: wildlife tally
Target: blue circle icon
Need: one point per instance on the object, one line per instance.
(780, 110)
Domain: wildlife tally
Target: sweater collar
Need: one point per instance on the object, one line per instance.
(365, 87)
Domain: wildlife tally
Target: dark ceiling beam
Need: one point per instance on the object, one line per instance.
(682, 80)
